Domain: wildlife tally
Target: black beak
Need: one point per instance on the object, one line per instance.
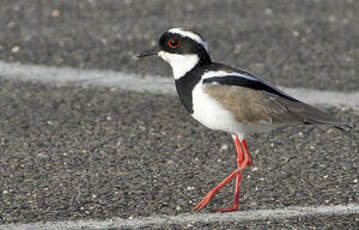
(146, 53)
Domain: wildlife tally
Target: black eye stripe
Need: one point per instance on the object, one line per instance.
(186, 45)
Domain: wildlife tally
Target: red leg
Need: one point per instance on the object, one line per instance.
(236, 196)
(248, 161)
(243, 161)
(240, 155)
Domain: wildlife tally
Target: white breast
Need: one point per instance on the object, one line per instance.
(212, 114)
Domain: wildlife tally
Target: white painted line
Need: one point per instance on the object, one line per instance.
(190, 218)
(67, 76)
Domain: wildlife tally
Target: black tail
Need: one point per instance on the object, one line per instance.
(347, 129)
(313, 116)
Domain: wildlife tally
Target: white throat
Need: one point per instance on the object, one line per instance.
(180, 64)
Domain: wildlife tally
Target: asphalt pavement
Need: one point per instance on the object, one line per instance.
(310, 43)
(79, 153)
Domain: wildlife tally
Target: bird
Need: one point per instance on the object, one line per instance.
(229, 99)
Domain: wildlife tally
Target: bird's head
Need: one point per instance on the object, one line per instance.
(182, 49)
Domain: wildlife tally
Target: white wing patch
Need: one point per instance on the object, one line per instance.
(222, 73)
(191, 35)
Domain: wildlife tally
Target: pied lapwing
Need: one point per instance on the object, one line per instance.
(228, 99)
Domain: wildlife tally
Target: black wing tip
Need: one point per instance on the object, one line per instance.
(346, 128)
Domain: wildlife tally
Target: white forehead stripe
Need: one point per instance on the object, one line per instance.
(191, 35)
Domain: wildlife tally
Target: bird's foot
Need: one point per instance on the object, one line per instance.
(205, 201)
(230, 209)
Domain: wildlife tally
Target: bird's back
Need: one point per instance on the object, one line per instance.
(253, 100)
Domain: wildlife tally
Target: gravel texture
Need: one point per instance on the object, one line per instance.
(70, 153)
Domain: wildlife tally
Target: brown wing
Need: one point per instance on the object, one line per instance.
(254, 106)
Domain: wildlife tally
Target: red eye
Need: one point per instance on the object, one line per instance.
(174, 43)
